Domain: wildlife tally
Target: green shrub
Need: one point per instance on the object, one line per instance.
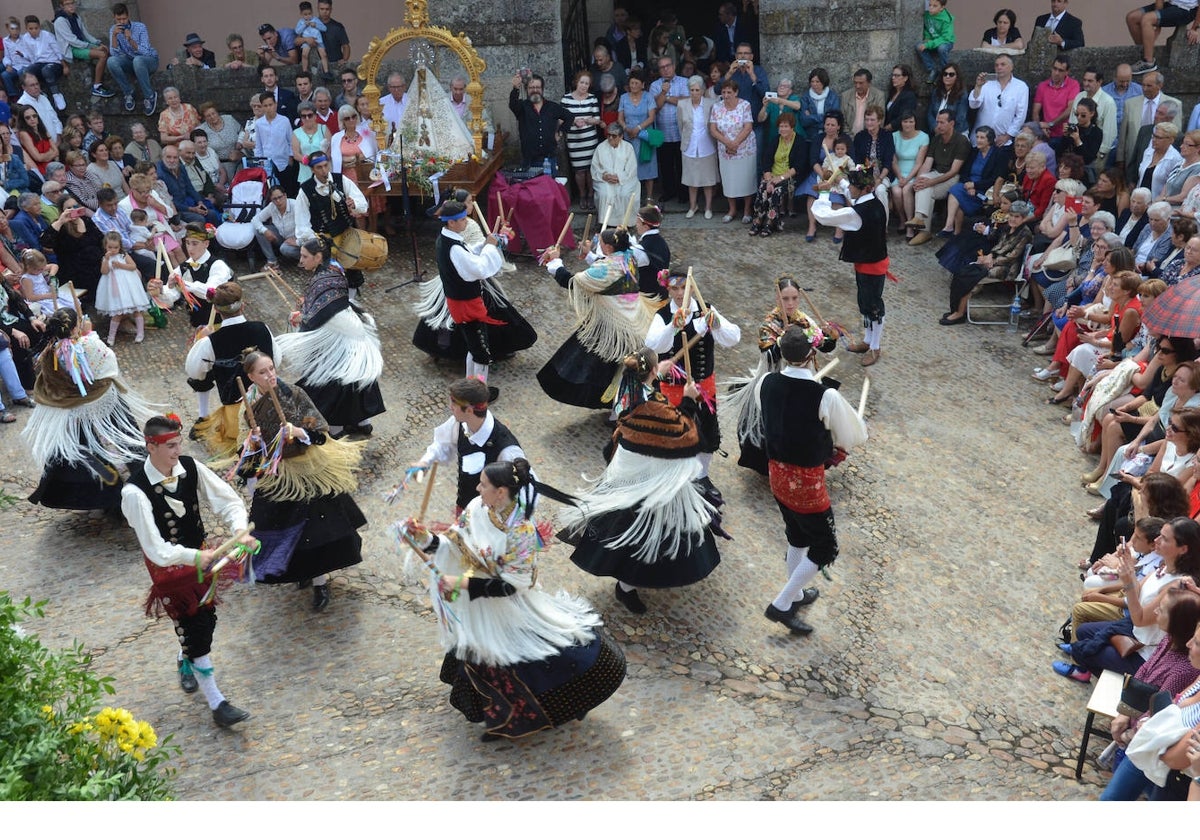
(56, 743)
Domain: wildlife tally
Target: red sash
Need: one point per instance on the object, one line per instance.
(465, 311)
(673, 391)
(801, 489)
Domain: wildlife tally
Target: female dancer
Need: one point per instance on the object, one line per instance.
(611, 323)
(302, 509)
(646, 522)
(87, 426)
(335, 357)
(518, 659)
(741, 397)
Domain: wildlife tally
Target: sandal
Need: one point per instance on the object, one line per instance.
(8, 417)
(1095, 514)
(1060, 399)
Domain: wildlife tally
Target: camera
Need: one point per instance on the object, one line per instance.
(1072, 128)
(742, 62)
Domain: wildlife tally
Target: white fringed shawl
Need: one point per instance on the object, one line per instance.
(345, 349)
(99, 427)
(610, 326)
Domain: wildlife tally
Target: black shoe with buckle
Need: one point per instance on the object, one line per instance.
(187, 679)
(788, 619)
(631, 600)
(807, 597)
(320, 596)
(228, 714)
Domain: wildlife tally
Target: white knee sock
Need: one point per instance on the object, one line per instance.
(876, 334)
(202, 401)
(335, 430)
(805, 571)
(203, 667)
(625, 587)
(793, 557)
(705, 459)
(353, 294)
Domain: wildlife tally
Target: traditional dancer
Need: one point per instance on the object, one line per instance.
(668, 331)
(302, 508)
(802, 422)
(656, 250)
(473, 435)
(645, 522)
(865, 245)
(436, 332)
(336, 356)
(201, 274)
(85, 430)
(611, 322)
(162, 504)
(215, 361)
(741, 397)
(518, 659)
(326, 207)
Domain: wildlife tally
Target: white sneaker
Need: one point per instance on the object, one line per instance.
(708, 214)
(1058, 386)
(60, 104)
(691, 213)
(1044, 374)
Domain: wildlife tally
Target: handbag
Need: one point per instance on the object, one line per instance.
(1061, 258)
(1154, 737)
(1135, 697)
(1125, 645)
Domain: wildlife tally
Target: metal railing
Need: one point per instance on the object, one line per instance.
(577, 51)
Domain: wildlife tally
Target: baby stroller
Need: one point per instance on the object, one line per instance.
(248, 193)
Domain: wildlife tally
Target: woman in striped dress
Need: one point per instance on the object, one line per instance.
(583, 135)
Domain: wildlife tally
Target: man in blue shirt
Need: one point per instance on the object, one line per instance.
(191, 206)
(131, 52)
(1122, 87)
(668, 90)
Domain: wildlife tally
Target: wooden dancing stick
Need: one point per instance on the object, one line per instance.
(566, 227)
(250, 409)
(862, 401)
(812, 306)
(75, 298)
(686, 308)
(270, 279)
(604, 221)
(696, 292)
(428, 491)
(629, 208)
(222, 551)
(279, 279)
(258, 275)
(212, 317)
(587, 235)
(688, 345)
(483, 220)
(278, 408)
(827, 368)
(500, 207)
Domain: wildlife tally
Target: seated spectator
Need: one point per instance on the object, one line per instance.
(948, 152)
(71, 140)
(80, 182)
(142, 195)
(36, 145)
(104, 169)
(949, 94)
(873, 146)
(45, 58)
(1002, 263)
(15, 59)
(275, 228)
(1131, 223)
(190, 205)
(353, 144)
(1124, 322)
(1084, 136)
(235, 59)
(1081, 237)
(51, 192)
(198, 176)
(911, 147)
(109, 216)
(984, 167)
(824, 150)
(310, 36)
(132, 54)
(35, 280)
(1079, 288)
(902, 97)
(222, 133)
(1039, 183)
(77, 44)
(1146, 22)
(77, 246)
(1176, 261)
(142, 231)
(1154, 242)
(937, 40)
(815, 101)
(210, 163)
(1004, 33)
(142, 147)
(194, 54)
(41, 103)
(95, 129)
(278, 48)
(27, 224)
(13, 177)
(177, 120)
(1160, 159)
(787, 156)
(1186, 175)
(1112, 192)
(1057, 219)
(1103, 599)
(614, 173)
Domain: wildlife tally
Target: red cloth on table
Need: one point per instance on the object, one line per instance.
(537, 209)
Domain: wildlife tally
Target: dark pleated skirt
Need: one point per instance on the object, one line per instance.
(521, 699)
(342, 405)
(592, 554)
(329, 539)
(514, 335)
(576, 377)
(75, 487)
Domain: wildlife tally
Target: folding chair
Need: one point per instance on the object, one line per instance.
(1105, 697)
(1019, 283)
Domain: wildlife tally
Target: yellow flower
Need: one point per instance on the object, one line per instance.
(48, 711)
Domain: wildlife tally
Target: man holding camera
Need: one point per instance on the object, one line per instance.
(131, 52)
(1052, 100)
(751, 80)
(1001, 100)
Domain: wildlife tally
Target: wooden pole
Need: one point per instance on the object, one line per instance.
(250, 409)
(75, 298)
(212, 316)
(827, 368)
(812, 306)
(229, 544)
(566, 227)
(428, 491)
(688, 345)
(483, 220)
(696, 292)
(604, 221)
(587, 235)
(258, 275)
(279, 278)
(686, 309)
(629, 209)
(862, 401)
(500, 206)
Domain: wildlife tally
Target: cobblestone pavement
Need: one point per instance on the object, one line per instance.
(928, 676)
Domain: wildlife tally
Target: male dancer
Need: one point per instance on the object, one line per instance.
(462, 271)
(161, 502)
(326, 206)
(657, 252)
(865, 245)
(474, 435)
(802, 422)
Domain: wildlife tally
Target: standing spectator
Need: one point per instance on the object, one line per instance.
(1066, 30)
(697, 145)
(637, 116)
(948, 151)
(275, 228)
(1002, 103)
(1141, 111)
(249, 134)
(938, 40)
(732, 29)
(177, 120)
(37, 100)
(311, 137)
(273, 141)
(286, 102)
(304, 92)
(350, 91)
(538, 122)
(668, 91)
(1052, 100)
(310, 33)
(602, 62)
(235, 59)
(194, 54)
(902, 97)
(732, 126)
(1106, 111)
(1145, 23)
(583, 135)
(77, 44)
(45, 58)
(459, 100)
(394, 103)
(142, 146)
(785, 100)
(326, 115)
(278, 48)
(131, 53)
(630, 51)
(856, 99)
(337, 41)
(948, 93)
(353, 144)
(191, 206)
(1121, 88)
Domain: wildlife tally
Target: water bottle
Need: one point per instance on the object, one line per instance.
(1014, 313)
(546, 168)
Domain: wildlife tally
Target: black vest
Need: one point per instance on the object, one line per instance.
(199, 274)
(326, 216)
(453, 285)
(228, 344)
(701, 352)
(868, 244)
(792, 425)
(187, 530)
(659, 255)
(500, 439)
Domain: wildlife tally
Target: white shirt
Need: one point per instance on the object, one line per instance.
(474, 264)
(218, 274)
(354, 197)
(445, 445)
(843, 422)
(43, 49)
(45, 109)
(285, 223)
(216, 493)
(661, 336)
(393, 109)
(1002, 108)
(273, 140)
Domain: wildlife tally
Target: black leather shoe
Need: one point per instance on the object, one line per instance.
(228, 714)
(193, 433)
(304, 584)
(631, 600)
(807, 597)
(488, 736)
(788, 620)
(363, 429)
(187, 681)
(320, 597)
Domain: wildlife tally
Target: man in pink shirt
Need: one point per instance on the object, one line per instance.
(1053, 98)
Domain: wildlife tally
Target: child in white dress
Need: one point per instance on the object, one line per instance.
(35, 284)
(120, 292)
